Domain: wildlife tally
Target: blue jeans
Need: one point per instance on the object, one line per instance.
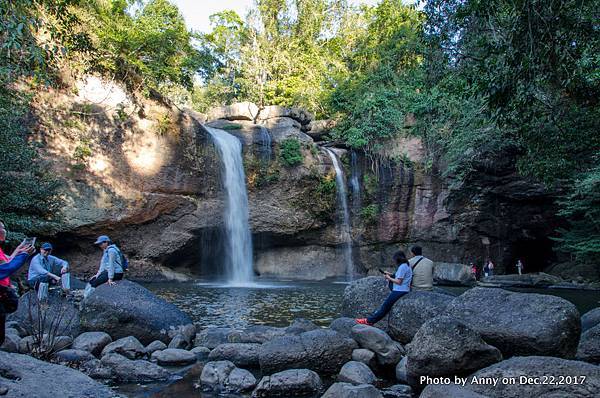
(385, 307)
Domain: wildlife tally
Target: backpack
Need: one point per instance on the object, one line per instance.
(123, 262)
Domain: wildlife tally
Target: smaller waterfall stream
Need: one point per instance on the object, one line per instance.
(345, 232)
(238, 257)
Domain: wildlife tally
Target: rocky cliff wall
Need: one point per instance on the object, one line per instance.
(146, 173)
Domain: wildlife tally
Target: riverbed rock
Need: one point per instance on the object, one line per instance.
(453, 274)
(215, 374)
(73, 356)
(289, 383)
(388, 351)
(365, 356)
(240, 380)
(201, 353)
(61, 342)
(323, 351)
(128, 309)
(590, 319)
(93, 342)
(589, 346)
(125, 369)
(59, 314)
(24, 376)
(356, 373)
(26, 344)
(179, 342)
(412, 311)
(397, 391)
(300, 325)
(156, 345)
(241, 354)
(444, 346)
(21, 331)
(255, 334)
(174, 357)
(348, 390)
(212, 337)
(449, 390)
(129, 347)
(343, 326)
(536, 366)
(364, 296)
(96, 370)
(402, 372)
(520, 323)
(538, 279)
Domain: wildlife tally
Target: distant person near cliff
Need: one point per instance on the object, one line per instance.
(401, 286)
(519, 267)
(422, 270)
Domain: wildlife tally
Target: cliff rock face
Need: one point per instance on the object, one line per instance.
(147, 174)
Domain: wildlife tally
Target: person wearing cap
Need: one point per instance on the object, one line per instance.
(45, 268)
(111, 268)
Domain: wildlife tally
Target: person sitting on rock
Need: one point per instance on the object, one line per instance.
(111, 268)
(45, 268)
(422, 269)
(401, 286)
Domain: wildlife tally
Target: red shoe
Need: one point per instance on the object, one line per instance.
(363, 321)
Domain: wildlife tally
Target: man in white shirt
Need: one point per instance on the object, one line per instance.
(45, 268)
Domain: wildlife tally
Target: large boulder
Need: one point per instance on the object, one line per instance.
(343, 326)
(413, 310)
(129, 347)
(453, 274)
(241, 354)
(388, 351)
(125, 369)
(93, 342)
(589, 346)
(323, 351)
(11, 343)
(156, 345)
(128, 309)
(520, 323)
(444, 347)
(174, 357)
(539, 279)
(539, 377)
(365, 356)
(241, 380)
(300, 325)
(356, 373)
(590, 319)
(237, 111)
(24, 376)
(58, 313)
(364, 296)
(289, 383)
(274, 112)
(348, 390)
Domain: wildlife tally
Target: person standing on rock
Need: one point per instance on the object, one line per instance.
(422, 270)
(111, 265)
(519, 266)
(45, 268)
(490, 268)
(401, 286)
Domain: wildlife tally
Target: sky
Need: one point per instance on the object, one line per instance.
(196, 12)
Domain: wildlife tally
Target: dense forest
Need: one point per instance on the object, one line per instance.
(476, 80)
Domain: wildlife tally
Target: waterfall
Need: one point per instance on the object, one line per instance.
(265, 139)
(355, 182)
(344, 227)
(238, 256)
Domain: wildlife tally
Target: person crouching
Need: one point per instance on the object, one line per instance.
(48, 269)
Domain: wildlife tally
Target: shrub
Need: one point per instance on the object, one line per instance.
(289, 152)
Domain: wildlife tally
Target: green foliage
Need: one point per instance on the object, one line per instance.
(82, 151)
(581, 206)
(321, 199)
(369, 213)
(290, 154)
(232, 126)
(30, 195)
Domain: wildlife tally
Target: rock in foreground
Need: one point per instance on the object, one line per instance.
(25, 376)
(520, 323)
(289, 383)
(128, 309)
